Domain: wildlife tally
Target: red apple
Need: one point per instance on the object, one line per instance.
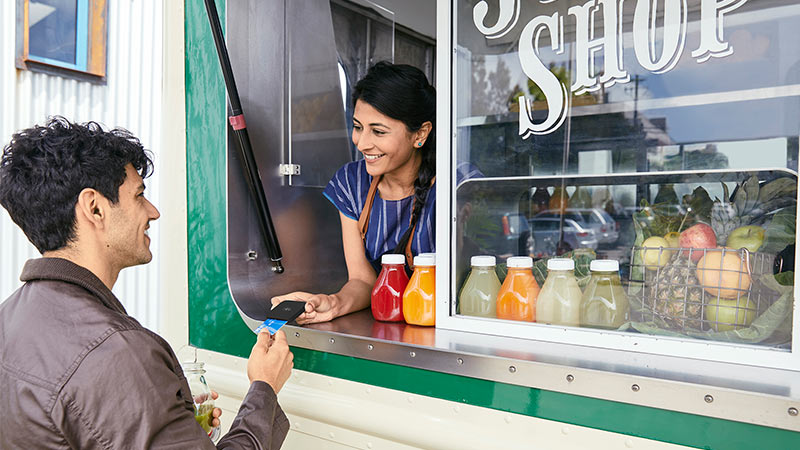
(698, 236)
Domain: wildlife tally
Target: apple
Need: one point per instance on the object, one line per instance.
(723, 273)
(653, 252)
(673, 237)
(729, 314)
(699, 236)
(750, 237)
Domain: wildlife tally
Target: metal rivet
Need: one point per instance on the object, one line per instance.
(370, 346)
(570, 378)
(635, 388)
(332, 340)
(296, 334)
(460, 361)
(412, 354)
(252, 255)
(512, 369)
(708, 398)
(793, 411)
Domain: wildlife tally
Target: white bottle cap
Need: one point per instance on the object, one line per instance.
(604, 265)
(483, 261)
(520, 262)
(425, 259)
(393, 258)
(560, 264)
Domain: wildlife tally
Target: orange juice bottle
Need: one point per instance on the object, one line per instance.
(516, 299)
(419, 299)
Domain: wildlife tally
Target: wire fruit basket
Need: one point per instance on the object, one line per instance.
(691, 289)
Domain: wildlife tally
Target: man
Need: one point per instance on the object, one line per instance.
(75, 370)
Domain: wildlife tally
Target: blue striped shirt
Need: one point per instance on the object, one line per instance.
(389, 220)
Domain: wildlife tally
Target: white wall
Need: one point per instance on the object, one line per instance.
(131, 98)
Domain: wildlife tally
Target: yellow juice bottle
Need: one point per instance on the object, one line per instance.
(559, 301)
(478, 296)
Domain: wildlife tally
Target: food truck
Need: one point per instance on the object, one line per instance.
(653, 142)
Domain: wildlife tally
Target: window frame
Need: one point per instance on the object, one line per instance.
(447, 89)
(90, 46)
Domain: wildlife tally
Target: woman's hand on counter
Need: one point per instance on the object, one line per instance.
(319, 307)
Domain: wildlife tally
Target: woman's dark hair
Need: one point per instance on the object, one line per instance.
(403, 93)
(44, 168)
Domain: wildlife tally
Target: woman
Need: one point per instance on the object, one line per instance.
(386, 200)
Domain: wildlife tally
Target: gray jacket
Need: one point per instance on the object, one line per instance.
(77, 372)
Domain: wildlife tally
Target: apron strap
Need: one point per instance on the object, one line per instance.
(363, 218)
(409, 256)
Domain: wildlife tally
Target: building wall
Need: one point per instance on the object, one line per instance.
(131, 98)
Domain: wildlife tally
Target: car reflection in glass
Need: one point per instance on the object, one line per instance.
(605, 228)
(579, 231)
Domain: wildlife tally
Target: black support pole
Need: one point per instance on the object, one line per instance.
(249, 164)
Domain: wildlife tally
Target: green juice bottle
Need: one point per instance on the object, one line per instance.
(604, 303)
(478, 296)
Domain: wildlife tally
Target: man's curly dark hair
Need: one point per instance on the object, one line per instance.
(44, 168)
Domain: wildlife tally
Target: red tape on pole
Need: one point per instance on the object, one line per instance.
(237, 122)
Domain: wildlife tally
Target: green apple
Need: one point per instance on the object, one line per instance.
(729, 314)
(674, 238)
(654, 253)
(750, 237)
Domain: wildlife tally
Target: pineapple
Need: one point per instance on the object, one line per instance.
(677, 295)
(749, 203)
(724, 219)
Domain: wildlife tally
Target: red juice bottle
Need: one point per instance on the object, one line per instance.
(387, 294)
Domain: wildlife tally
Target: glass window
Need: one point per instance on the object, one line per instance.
(662, 135)
(62, 34)
(52, 27)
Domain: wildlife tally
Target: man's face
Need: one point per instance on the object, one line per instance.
(128, 221)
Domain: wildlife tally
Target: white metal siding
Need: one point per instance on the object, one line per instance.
(130, 99)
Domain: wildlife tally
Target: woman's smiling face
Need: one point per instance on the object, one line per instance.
(386, 143)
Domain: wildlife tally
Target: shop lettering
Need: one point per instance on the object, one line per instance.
(585, 78)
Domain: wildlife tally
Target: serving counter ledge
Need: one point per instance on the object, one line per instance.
(749, 394)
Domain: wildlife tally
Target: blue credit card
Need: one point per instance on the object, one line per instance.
(271, 325)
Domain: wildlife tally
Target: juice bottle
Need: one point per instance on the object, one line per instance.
(559, 302)
(559, 199)
(478, 296)
(387, 295)
(419, 299)
(516, 299)
(604, 304)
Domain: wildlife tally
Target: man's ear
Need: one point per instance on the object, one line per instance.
(91, 207)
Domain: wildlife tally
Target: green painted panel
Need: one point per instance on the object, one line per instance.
(214, 322)
(651, 423)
